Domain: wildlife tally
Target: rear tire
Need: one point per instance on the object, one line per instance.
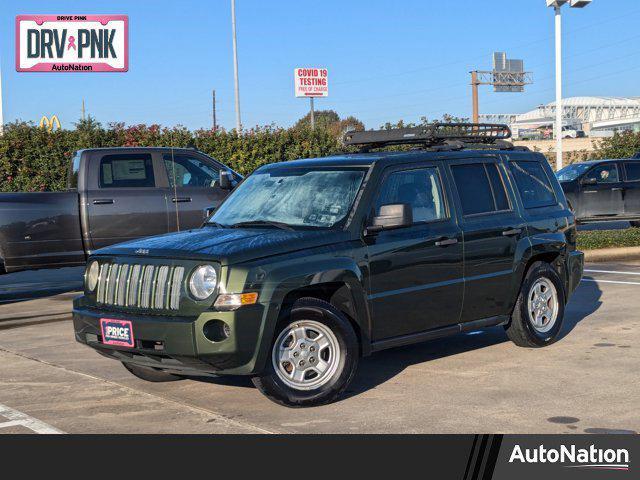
(313, 357)
(539, 311)
(151, 374)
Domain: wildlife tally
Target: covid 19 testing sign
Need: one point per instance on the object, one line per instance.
(72, 43)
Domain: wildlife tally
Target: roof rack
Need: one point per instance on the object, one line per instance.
(431, 135)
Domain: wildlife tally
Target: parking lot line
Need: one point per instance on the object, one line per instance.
(609, 281)
(17, 418)
(611, 271)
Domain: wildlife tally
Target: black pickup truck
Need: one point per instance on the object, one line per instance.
(113, 195)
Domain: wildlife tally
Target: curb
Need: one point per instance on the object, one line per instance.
(609, 254)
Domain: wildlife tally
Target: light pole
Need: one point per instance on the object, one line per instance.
(1, 116)
(235, 65)
(557, 5)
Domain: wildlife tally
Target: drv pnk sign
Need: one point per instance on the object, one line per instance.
(72, 43)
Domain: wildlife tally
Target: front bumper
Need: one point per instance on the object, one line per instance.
(178, 344)
(575, 270)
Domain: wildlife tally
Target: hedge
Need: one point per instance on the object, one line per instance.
(593, 239)
(33, 159)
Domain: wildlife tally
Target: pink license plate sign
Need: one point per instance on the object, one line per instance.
(72, 43)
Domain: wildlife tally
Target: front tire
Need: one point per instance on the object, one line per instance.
(151, 374)
(539, 311)
(313, 358)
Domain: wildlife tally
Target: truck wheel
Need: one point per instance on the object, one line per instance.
(151, 374)
(313, 358)
(539, 311)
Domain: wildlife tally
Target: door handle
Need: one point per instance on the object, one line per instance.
(511, 232)
(181, 199)
(445, 242)
(617, 189)
(103, 201)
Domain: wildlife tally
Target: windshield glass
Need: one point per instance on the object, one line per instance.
(572, 172)
(298, 197)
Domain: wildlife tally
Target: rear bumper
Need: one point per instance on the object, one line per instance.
(178, 344)
(575, 269)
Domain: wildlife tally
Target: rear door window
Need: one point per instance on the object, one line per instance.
(533, 184)
(126, 171)
(480, 188)
(633, 171)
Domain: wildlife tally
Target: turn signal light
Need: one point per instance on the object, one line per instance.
(233, 301)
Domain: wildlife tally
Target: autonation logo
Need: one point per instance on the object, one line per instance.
(589, 458)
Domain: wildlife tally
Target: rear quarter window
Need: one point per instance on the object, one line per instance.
(533, 184)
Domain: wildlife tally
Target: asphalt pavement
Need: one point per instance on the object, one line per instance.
(585, 383)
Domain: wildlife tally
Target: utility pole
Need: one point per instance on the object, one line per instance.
(83, 117)
(213, 112)
(474, 90)
(235, 65)
(313, 115)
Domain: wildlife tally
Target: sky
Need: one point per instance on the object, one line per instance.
(387, 61)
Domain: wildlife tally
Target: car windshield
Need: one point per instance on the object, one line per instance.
(572, 172)
(291, 197)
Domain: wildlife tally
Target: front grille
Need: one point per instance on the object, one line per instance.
(140, 286)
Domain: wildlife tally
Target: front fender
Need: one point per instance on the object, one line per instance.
(280, 281)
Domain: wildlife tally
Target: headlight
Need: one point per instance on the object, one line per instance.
(203, 282)
(91, 276)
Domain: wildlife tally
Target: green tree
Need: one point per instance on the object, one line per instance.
(323, 119)
(621, 145)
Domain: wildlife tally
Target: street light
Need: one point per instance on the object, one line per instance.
(235, 66)
(557, 4)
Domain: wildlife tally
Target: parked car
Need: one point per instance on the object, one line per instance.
(603, 190)
(113, 195)
(310, 264)
(571, 132)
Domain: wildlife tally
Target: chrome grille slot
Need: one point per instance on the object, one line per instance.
(134, 286)
(111, 282)
(147, 286)
(176, 283)
(155, 287)
(121, 291)
(161, 285)
(102, 281)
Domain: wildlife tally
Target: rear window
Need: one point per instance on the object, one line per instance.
(126, 171)
(533, 184)
(480, 188)
(633, 171)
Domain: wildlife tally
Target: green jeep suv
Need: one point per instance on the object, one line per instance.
(310, 265)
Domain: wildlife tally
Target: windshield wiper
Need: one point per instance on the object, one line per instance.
(262, 223)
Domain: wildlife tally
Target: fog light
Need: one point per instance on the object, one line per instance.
(233, 301)
(216, 330)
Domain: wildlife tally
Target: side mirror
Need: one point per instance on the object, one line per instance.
(226, 180)
(209, 211)
(392, 216)
(589, 181)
